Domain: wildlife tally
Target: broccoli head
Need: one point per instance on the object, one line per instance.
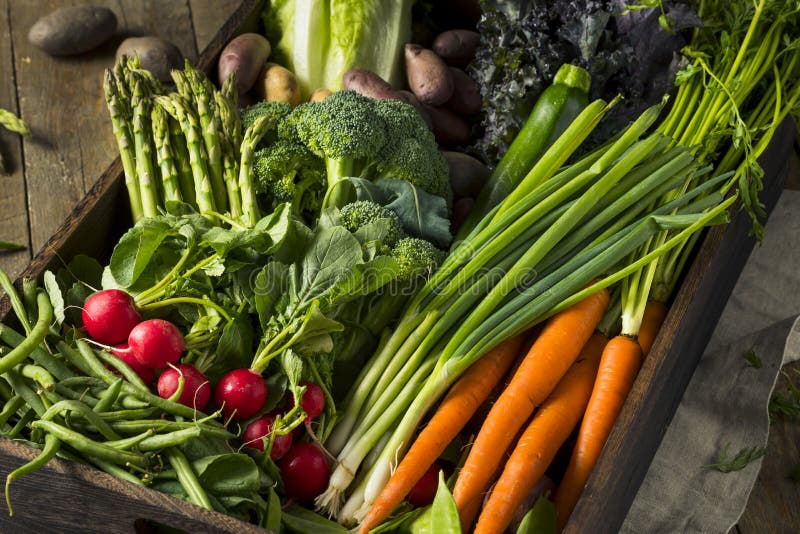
(416, 258)
(277, 110)
(289, 172)
(363, 212)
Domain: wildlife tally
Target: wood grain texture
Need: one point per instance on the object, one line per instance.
(13, 211)
(62, 101)
(206, 18)
(774, 503)
(669, 366)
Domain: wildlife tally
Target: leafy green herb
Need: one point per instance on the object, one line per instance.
(752, 359)
(786, 404)
(56, 298)
(726, 464)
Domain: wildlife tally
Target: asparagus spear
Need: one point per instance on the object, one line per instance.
(178, 109)
(230, 169)
(143, 146)
(164, 157)
(185, 178)
(253, 135)
(231, 124)
(120, 122)
(206, 111)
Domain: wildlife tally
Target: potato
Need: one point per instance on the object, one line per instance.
(368, 84)
(467, 174)
(449, 128)
(319, 95)
(73, 30)
(277, 84)
(428, 75)
(245, 55)
(156, 55)
(466, 97)
(456, 47)
(409, 98)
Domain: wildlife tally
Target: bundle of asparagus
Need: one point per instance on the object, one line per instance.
(183, 146)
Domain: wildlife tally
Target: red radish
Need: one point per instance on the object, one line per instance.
(109, 316)
(123, 352)
(313, 401)
(305, 472)
(261, 428)
(241, 393)
(196, 389)
(156, 343)
(424, 490)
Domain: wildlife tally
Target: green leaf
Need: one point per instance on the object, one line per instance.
(293, 366)
(303, 521)
(74, 299)
(8, 245)
(331, 257)
(272, 521)
(56, 298)
(271, 284)
(234, 348)
(228, 474)
(752, 359)
(422, 214)
(86, 269)
(136, 248)
(442, 516)
(540, 519)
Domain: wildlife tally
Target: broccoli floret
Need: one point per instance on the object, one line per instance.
(416, 258)
(363, 212)
(289, 172)
(276, 110)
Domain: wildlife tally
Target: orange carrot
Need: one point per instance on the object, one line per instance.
(551, 355)
(548, 430)
(619, 365)
(654, 314)
(453, 413)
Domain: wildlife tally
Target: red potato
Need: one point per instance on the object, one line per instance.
(429, 78)
(466, 97)
(369, 84)
(456, 47)
(449, 128)
(245, 55)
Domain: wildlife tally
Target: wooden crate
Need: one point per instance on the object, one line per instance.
(67, 497)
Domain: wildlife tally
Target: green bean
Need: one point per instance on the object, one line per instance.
(34, 339)
(5, 390)
(16, 303)
(187, 478)
(11, 407)
(125, 415)
(117, 471)
(29, 297)
(123, 368)
(90, 447)
(85, 412)
(26, 418)
(19, 384)
(125, 444)
(83, 396)
(51, 447)
(39, 375)
(132, 403)
(163, 441)
(160, 425)
(39, 355)
(75, 358)
(108, 397)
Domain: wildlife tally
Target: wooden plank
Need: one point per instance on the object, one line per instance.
(773, 504)
(207, 16)
(13, 211)
(669, 366)
(62, 100)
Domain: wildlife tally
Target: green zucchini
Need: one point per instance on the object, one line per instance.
(555, 109)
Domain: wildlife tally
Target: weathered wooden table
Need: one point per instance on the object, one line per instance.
(72, 143)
